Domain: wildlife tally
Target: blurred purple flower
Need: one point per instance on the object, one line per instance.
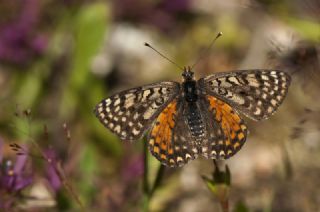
(162, 14)
(132, 168)
(13, 178)
(51, 169)
(19, 40)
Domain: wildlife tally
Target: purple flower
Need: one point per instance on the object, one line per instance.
(19, 40)
(13, 178)
(51, 169)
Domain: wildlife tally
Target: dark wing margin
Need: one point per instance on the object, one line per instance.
(170, 139)
(255, 93)
(129, 113)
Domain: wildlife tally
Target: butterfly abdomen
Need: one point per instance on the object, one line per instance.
(194, 119)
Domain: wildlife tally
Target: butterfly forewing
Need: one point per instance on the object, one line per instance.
(255, 93)
(128, 114)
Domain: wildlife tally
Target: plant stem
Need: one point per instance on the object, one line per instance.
(145, 187)
(157, 181)
(147, 192)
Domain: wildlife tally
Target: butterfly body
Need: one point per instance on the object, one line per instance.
(196, 117)
(190, 97)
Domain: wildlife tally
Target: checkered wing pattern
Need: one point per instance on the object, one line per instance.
(226, 131)
(255, 93)
(170, 139)
(128, 114)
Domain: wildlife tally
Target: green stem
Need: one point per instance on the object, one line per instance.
(147, 192)
(145, 187)
(157, 181)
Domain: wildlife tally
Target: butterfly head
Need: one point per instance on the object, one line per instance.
(187, 74)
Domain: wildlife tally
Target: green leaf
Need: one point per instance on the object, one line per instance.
(90, 27)
(89, 169)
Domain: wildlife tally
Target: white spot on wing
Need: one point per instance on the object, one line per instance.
(107, 102)
(238, 99)
(258, 111)
(204, 149)
(129, 102)
(148, 113)
(117, 129)
(116, 102)
(145, 94)
(234, 80)
(135, 116)
(179, 159)
(270, 109)
(135, 131)
(253, 82)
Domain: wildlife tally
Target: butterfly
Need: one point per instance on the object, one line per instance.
(195, 117)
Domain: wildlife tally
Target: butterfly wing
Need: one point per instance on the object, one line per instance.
(226, 132)
(170, 139)
(255, 93)
(128, 114)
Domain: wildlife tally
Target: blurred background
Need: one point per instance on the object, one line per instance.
(58, 59)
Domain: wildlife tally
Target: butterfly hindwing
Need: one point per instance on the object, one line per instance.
(128, 114)
(255, 93)
(226, 131)
(170, 139)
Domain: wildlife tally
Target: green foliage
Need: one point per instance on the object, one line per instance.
(219, 185)
(90, 27)
(308, 29)
(88, 170)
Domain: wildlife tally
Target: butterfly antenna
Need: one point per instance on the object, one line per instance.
(205, 52)
(162, 55)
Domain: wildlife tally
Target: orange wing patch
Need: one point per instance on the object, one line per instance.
(160, 141)
(232, 125)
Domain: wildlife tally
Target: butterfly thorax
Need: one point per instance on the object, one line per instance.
(189, 85)
(190, 91)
